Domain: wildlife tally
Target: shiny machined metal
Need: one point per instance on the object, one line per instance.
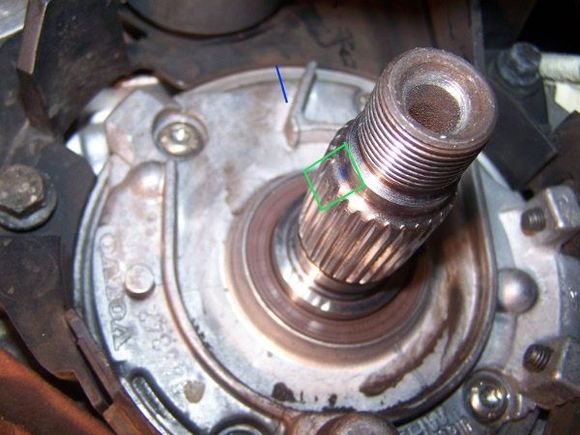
(428, 117)
(487, 397)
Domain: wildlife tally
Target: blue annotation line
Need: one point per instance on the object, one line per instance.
(281, 83)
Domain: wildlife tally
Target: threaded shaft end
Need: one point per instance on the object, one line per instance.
(537, 357)
(427, 119)
(533, 220)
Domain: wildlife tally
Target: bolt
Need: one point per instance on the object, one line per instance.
(537, 357)
(139, 281)
(520, 65)
(22, 190)
(486, 397)
(533, 220)
(27, 198)
(180, 139)
(517, 291)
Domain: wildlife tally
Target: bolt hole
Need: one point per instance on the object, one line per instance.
(434, 108)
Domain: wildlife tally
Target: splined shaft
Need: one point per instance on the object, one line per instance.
(428, 117)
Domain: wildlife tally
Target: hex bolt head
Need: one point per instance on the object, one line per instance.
(520, 65)
(179, 139)
(533, 221)
(179, 134)
(537, 357)
(486, 397)
(22, 190)
(27, 198)
(139, 281)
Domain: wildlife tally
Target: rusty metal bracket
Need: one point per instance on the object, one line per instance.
(30, 395)
(70, 50)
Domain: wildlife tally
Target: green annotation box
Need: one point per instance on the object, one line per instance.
(344, 148)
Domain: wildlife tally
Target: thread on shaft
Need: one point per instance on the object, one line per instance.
(427, 119)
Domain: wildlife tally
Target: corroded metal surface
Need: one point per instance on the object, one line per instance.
(36, 406)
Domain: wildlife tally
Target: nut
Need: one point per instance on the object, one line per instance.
(520, 65)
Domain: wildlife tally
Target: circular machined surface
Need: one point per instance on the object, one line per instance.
(434, 108)
(342, 345)
(251, 251)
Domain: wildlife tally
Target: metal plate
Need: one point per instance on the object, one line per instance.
(186, 350)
